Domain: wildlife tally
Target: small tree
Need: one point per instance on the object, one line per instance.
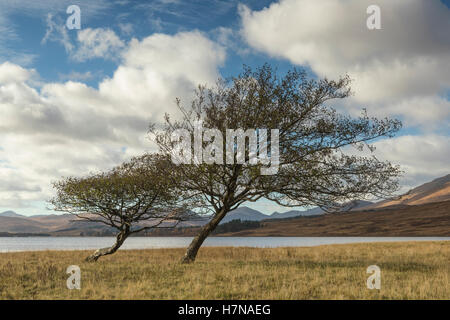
(313, 166)
(131, 198)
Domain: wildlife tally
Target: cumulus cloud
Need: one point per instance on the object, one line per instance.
(402, 70)
(60, 129)
(406, 61)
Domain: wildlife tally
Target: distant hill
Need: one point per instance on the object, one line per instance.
(70, 225)
(248, 214)
(437, 190)
(10, 214)
(430, 219)
(354, 205)
(41, 224)
(20, 225)
(295, 213)
(244, 214)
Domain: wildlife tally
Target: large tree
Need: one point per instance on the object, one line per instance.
(131, 198)
(317, 165)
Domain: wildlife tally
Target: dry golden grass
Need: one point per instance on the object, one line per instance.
(409, 270)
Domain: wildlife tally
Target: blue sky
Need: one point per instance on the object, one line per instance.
(76, 101)
(145, 17)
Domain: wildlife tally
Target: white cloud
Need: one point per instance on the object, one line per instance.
(56, 31)
(401, 70)
(431, 110)
(126, 28)
(70, 128)
(32, 8)
(97, 43)
(90, 43)
(12, 73)
(423, 158)
(160, 65)
(406, 61)
(79, 76)
(47, 9)
(231, 39)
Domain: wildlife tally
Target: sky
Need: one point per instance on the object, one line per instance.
(75, 101)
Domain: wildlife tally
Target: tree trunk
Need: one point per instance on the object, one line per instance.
(192, 250)
(123, 234)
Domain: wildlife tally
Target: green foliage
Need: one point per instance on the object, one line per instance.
(122, 197)
(321, 162)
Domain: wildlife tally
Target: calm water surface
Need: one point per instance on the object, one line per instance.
(11, 244)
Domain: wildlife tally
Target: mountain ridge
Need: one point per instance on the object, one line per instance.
(10, 213)
(437, 190)
(430, 192)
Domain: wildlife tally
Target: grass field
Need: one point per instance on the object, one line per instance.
(409, 270)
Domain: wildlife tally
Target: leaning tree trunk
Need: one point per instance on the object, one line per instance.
(123, 234)
(192, 250)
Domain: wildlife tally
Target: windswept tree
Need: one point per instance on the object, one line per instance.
(287, 121)
(131, 198)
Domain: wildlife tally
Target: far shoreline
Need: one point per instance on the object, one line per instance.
(306, 244)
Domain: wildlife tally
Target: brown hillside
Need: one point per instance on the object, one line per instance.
(431, 219)
(437, 190)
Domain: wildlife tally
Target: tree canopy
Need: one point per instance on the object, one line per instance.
(314, 166)
(131, 198)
